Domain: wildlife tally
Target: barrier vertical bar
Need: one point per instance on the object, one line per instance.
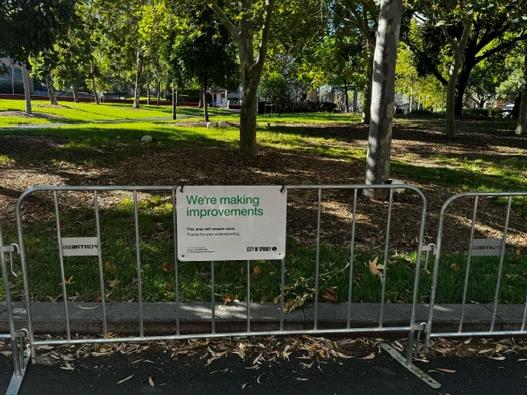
(101, 268)
(524, 319)
(385, 261)
(409, 356)
(469, 259)
(176, 260)
(213, 299)
(248, 296)
(9, 306)
(25, 277)
(62, 272)
(282, 292)
(500, 268)
(317, 263)
(352, 257)
(138, 263)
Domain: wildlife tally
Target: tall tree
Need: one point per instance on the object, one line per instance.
(479, 29)
(204, 51)
(521, 126)
(382, 103)
(249, 22)
(365, 15)
(29, 27)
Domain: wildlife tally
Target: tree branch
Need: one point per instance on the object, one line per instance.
(266, 34)
(501, 47)
(435, 72)
(224, 19)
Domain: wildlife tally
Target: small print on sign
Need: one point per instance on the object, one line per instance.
(486, 247)
(223, 223)
(80, 246)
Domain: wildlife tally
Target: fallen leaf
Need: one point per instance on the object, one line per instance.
(329, 295)
(227, 299)
(151, 381)
(113, 283)
(485, 351)
(375, 269)
(445, 370)
(167, 267)
(369, 356)
(455, 267)
(500, 358)
(110, 267)
(125, 379)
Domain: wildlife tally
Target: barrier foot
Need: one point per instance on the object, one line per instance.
(17, 379)
(410, 366)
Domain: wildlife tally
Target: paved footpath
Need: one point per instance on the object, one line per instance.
(191, 375)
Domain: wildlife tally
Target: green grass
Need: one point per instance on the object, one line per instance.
(103, 135)
(157, 257)
(69, 112)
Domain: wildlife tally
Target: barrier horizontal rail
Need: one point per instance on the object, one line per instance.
(496, 247)
(319, 190)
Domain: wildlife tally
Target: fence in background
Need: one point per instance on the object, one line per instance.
(477, 247)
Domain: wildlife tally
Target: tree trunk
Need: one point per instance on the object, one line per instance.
(248, 121)
(158, 93)
(148, 93)
(174, 102)
(205, 103)
(366, 117)
(455, 68)
(355, 100)
(469, 62)
(521, 126)
(346, 98)
(382, 97)
(51, 91)
(75, 96)
(138, 70)
(93, 83)
(27, 90)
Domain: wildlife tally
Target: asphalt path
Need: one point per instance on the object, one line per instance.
(156, 373)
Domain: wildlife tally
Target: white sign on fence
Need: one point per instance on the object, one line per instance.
(486, 247)
(80, 246)
(223, 223)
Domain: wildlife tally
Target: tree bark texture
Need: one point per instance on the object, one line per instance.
(367, 90)
(455, 68)
(138, 71)
(51, 91)
(251, 67)
(521, 126)
(382, 98)
(27, 90)
(93, 83)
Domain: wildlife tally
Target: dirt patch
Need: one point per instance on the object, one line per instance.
(44, 161)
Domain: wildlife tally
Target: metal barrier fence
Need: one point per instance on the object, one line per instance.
(19, 353)
(318, 192)
(493, 250)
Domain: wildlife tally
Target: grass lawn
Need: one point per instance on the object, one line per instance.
(85, 113)
(101, 145)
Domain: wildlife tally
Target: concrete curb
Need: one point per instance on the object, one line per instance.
(160, 318)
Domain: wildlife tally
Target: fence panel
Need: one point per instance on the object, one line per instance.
(135, 260)
(19, 354)
(492, 226)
